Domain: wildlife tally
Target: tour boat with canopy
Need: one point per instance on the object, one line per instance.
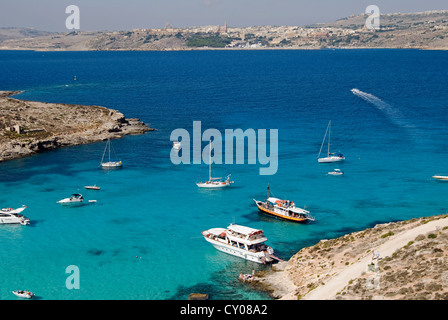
(284, 209)
(241, 241)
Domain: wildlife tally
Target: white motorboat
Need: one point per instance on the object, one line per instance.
(177, 145)
(284, 209)
(331, 156)
(214, 183)
(11, 215)
(23, 294)
(241, 241)
(336, 172)
(110, 164)
(94, 187)
(75, 199)
(442, 178)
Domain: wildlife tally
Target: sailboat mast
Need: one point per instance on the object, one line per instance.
(210, 161)
(108, 142)
(329, 137)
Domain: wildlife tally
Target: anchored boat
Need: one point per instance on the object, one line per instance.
(284, 209)
(215, 183)
(331, 156)
(11, 215)
(110, 164)
(241, 241)
(75, 199)
(443, 178)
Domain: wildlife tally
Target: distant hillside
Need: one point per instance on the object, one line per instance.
(20, 33)
(422, 30)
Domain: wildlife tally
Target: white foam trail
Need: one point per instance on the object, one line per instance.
(393, 114)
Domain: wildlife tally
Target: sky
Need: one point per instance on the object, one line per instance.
(49, 15)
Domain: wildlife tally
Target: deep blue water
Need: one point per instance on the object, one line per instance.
(142, 239)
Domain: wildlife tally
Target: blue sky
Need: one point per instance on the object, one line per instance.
(50, 15)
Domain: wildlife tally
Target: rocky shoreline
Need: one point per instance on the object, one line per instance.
(404, 260)
(30, 127)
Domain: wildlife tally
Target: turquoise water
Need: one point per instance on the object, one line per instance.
(142, 239)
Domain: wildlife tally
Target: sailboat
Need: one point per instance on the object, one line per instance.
(214, 182)
(109, 164)
(331, 157)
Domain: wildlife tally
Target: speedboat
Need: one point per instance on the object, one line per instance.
(75, 199)
(10, 215)
(241, 241)
(284, 209)
(94, 187)
(336, 172)
(23, 294)
(176, 145)
(443, 178)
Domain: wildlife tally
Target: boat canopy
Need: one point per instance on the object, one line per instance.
(244, 230)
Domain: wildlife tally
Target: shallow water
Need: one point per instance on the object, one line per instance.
(142, 239)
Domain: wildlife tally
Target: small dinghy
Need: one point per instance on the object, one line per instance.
(336, 172)
(94, 187)
(23, 294)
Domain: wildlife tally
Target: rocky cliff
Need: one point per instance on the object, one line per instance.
(28, 127)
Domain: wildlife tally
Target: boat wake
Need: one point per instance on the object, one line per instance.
(393, 114)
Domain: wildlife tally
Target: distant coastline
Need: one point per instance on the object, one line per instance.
(421, 30)
(30, 127)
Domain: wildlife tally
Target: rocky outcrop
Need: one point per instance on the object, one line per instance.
(29, 127)
(405, 260)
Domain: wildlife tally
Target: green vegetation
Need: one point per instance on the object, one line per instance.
(212, 41)
(390, 233)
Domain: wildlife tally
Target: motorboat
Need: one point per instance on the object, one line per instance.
(331, 156)
(11, 215)
(23, 294)
(177, 145)
(241, 241)
(336, 172)
(443, 178)
(284, 209)
(214, 183)
(94, 187)
(110, 164)
(75, 199)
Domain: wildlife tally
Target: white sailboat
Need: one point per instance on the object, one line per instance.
(214, 182)
(331, 156)
(109, 164)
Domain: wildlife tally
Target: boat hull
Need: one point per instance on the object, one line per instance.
(112, 165)
(331, 159)
(442, 178)
(279, 215)
(213, 185)
(258, 257)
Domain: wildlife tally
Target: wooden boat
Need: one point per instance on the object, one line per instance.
(284, 209)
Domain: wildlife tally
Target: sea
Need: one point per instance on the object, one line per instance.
(142, 238)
